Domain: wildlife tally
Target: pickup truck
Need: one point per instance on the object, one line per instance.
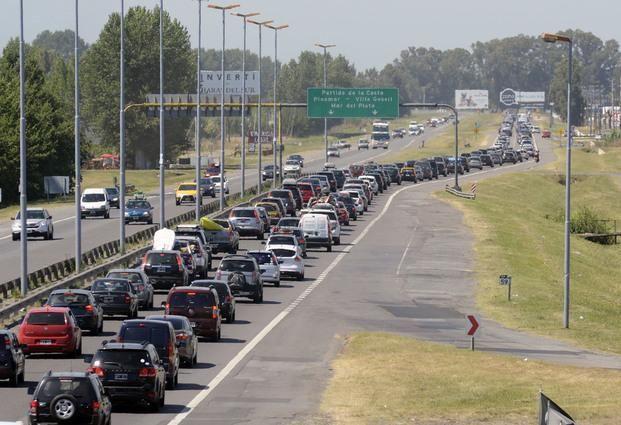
(221, 235)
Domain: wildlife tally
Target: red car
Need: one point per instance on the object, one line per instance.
(546, 134)
(50, 330)
(307, 191)
(343, 214)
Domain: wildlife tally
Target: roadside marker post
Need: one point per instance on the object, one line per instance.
(505, 280)
(474, 325)
(473, 187)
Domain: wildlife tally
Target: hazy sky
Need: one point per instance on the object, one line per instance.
(370, 33)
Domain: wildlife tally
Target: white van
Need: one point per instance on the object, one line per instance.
(316, 228)
(95, 202)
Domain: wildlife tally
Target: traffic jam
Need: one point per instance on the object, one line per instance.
(199, 272)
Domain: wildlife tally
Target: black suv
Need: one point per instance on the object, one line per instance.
(70, 397)
(116, 296)
(165, 269)
(12, 359)
(131, 372)
(88, 313)
(393, 172)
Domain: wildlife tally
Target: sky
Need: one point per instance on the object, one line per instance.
(368, 32)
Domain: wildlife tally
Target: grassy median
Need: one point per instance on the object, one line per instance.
(384, 378)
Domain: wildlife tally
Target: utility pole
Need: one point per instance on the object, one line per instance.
(77, 156)
(197, 141)
(23, 184)
(325, 48)
(162, 180)
(122, 133)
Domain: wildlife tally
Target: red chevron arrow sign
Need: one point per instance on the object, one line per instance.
(474, 325)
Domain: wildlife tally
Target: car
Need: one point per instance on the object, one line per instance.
(397, 134)
(287, 198)
(265, 218)
(217, 185)
(290, 261)
(165, 269)
(249, 284)
(317, 230)
(114, 197)
(227, 303)
(195, 231)
(187, 340)
(131, 373)
(162, 336)
(207, 187)
(201, 255)
(487, 160)
(268, 172)
(291, 166)
(38, 223)
(463, 161)
(116, 296)
(50, 330)
(441, 167)
(283, 239)
(186, 192)
(475, 162)
(363, 144)
(408, 174)
(273, 211)
(546, 134)
(359, 199)
(278, 201)
(393, 172)
(94, 203)
(298, 158)
(70, 398)
(200, 306)
(324, 183)
(509, 156)
(497, 159)
(335, 226)
(87, 312)
(12, 358)
(349, 204)
(138, 210)
(333, 151)
(140, 281)
(343, 144)
(247, 221)
(268, 264)
(292, 185)
(224, 238)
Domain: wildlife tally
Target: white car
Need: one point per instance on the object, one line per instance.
(292, 165)
(335, 227)
(334, 152)
(283, 240)
(38, 223)
(268, 264)
(217, 185)
(95, 202)
(290, 261)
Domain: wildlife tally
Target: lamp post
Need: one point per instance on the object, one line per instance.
(122, 134)
(260, 25)
(245, 17)
(275, 138)
(325, 47)
(197, 141)
(23, 184)
(223, 9)
(162, 191)
(77, 157)
(554, 38)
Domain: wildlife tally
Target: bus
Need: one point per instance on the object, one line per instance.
(380, 137)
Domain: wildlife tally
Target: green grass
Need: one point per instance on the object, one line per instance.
(384, 378)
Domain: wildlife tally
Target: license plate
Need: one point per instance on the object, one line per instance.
(161, 269)
(108, 300)
(120, 376)
(193, 324)
(45, 342)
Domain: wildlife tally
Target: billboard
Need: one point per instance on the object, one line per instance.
(511, 97)
(471, 99)
(211, 84)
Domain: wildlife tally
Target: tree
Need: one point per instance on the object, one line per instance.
(101, 85)
(60, 42)
(558, 92)
(49, 134)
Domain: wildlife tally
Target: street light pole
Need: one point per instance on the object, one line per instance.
(122, 134)
(553, 38)
(223, 9)
(23, 184)
(275, 137)
(325, 48)
(77, 157)
(245, 17)
(197, 141)
(162, 191)
(259, 147)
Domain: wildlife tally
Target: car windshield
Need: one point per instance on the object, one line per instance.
(162, 259)
(284, 253)
(281, 240)
(93, 197)
(111, 285)
(125, 358)
(236, 266)
(242, 213)
(112, 191)
(279, 193)
(289, 222)
(32, 215)
(292, 162)
(192, 299)
(138, 205)
(187, 187)
(46, 318)
(133, 277)
(67, 299)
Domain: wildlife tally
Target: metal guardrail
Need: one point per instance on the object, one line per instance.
(459, 193)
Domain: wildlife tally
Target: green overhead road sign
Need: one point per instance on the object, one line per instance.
(358, 102)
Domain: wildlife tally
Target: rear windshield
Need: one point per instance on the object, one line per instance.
(237, 266)
(133, 277)
(134, 358)
(93, 197)
(289, 222)
(46, 319)
(192, 299)
(304, 186)
(282, 240)
(80, 388)
(279, 193)
(269, 207)
(156, 335)
(330, 214)
(68, 299)
(262, 257)
(176, 322)
(242, 213)
(110, 285)
(284, 253)
(162, 259)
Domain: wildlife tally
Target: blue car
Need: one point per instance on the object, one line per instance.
(138, 210)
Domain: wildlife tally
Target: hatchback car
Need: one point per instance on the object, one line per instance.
(131, 372)
(70, 398)
(200, 306)
(187, 340)
(251, 285)
(140, 281)
(268, 264)
(290, 262)
(87, 312)
(228, 306)
(247, 221)
(50, 330)
(12, 358)
(116, 296)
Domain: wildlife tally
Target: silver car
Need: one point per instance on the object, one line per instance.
(268, 263)
(140, 281)
(38, 223)
(291, 264)
(247, 221)
(252, 286)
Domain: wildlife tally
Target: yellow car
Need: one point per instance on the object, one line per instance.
(273, 212)
(186, 192)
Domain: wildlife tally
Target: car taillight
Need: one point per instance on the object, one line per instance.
(171, 350)
(214, 312)
(228, 299)
(128, 299)
(167, 308)
(7, 342)
(95, 405)
(34, 406)
(182, 336)
(89, 308)
(97, 371)
(147, 372)
(179, 261)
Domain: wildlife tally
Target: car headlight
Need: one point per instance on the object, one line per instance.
(83, 208)
(126, 214)
(146, 213)
(42, 223)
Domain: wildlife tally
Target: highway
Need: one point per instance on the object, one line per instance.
(271, 366)
(97, 231)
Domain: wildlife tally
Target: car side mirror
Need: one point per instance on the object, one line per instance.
(12, 218)
(88, 358)
(50, 217)
(263, 243)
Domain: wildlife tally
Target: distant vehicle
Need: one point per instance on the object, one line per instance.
(363, 144)
(475, 162)
(187, 340)
(290, 262)
(221, 235)
(247, 221)
(38, 223)
(186, 192)
(292, 166)
(343, 144)
(116, 296)
(50, 330)
(12, 358)
(408, 174)
(546, 134)
(298, 158)
(317, 231)
(94, 203)
(165, 269)
(333, 151)
(87, 312)
(268, 264)
(217, 186)
(249, 284)
(207, 187)
(200, 306)
(228, 306)
(131, 372)
(140, 281)
(268, 172)
(114, 197)
(397, 134)
(138, 210)
(70, 397)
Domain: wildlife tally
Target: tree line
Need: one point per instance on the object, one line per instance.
(422, 74)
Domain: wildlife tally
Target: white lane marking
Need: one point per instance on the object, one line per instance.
(405, 251)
